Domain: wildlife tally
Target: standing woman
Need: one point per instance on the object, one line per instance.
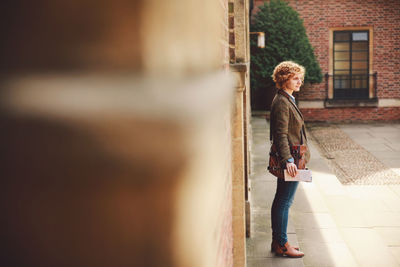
(287, 128)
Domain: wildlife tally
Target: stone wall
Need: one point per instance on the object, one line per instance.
(239, 58)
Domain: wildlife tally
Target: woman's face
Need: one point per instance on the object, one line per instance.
(294, 83)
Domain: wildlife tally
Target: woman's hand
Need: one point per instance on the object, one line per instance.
(291, 168)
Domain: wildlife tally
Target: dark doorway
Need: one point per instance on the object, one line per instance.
(261, 98)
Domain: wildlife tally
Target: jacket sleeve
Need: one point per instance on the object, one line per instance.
(281, 130)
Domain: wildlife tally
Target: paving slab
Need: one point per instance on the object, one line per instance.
(383, 219)
(396, 253)
(381, 198)
(366, 247)
(263, 200)
(313, 220)
(326, 182)
(309, 199)
(389, 132)
(370, 139)
(320, 235)
(274, 262)
(376, 147)
(327, 254)
(395, 146)
(395, 189)
(345, 212)
(261, 222)
(390, 235)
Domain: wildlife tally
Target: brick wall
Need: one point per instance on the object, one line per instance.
(382, 16)
(352, 114)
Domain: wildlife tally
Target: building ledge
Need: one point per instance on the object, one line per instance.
(240, 71)
(389, 102)
(334, 103)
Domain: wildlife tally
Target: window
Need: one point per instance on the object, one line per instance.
(351, 64)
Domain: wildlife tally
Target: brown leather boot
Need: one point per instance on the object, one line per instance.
(275, 244)
(288, 251)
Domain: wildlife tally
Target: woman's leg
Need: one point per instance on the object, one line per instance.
(284, 196)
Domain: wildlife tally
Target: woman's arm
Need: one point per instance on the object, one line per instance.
(280, 113)
(281, 130)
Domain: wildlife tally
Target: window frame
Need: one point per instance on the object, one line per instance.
(330, 74)
(351, 91)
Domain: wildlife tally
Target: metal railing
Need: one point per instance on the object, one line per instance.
(346, 88)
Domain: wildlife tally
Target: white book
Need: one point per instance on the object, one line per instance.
(302, 175)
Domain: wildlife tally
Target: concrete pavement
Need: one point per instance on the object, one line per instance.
(334, 224)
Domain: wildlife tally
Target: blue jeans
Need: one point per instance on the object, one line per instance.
(284, 196)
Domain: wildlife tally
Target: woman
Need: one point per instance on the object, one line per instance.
(287, 128)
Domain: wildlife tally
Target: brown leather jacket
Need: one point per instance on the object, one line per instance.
(286, 124)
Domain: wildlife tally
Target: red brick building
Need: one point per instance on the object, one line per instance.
(357, 44)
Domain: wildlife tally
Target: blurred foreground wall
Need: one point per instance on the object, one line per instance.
(123, 133)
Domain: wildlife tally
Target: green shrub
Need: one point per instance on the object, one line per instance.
(286, 39)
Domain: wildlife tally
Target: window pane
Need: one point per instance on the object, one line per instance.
(342, 36)
(362, 71)
(360, 76)
(359, 55)
(342, 56)
(359, 65)
(342, 65)
(359, 83)
(338, 83)
(339, 72)
(360, 46)
(346, 83)
(360, 36)
(365, 83)
(342, 83)
(342, 46)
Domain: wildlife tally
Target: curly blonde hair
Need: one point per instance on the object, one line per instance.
(286, 70)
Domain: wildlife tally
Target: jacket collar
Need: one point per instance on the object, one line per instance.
(281, 92)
